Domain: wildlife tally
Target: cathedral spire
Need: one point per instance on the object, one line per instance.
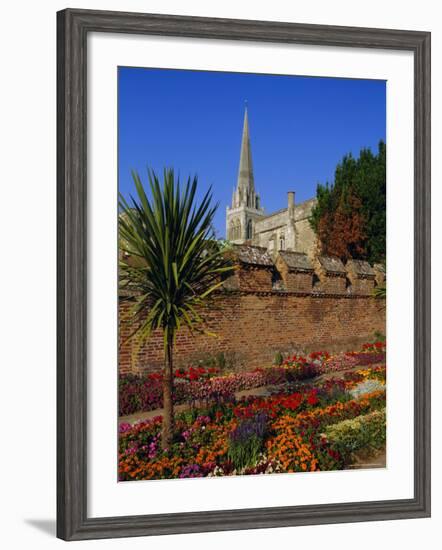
(246, 208)
(246, 184)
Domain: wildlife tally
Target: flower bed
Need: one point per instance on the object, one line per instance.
(283, 432)
(366, 432)
(195, 385)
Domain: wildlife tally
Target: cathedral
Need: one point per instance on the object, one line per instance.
(247, 221)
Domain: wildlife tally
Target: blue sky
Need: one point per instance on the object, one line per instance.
(300, 128)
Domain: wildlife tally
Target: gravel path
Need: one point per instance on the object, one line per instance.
(375, 460)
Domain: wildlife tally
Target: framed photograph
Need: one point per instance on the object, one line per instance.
(233, 198)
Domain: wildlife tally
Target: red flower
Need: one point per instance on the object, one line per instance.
(312, 399)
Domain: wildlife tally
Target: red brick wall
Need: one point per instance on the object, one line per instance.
(252, 326)
(294, 281)
(333, 284)
(362, 286)
(298, 282)
(256, 279)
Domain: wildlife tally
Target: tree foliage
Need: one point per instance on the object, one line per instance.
(350, 216)
(170, 264)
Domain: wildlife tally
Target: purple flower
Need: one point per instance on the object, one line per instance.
(124, 427)
(191, 470)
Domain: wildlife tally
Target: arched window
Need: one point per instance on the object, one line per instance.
(231, 235)
(282, 242)
(249, 232)
(237, 230)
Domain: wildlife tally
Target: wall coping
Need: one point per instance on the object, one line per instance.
(283, 293)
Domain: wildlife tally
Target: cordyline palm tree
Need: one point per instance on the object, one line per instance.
(171, 264)
(380, 292)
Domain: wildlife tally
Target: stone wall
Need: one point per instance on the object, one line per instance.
(305, 237)
(253, 318)
(272, 226)
(278, 224)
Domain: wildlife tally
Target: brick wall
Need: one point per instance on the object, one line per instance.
(362, 286)
(335, 284)
(298, 282)
(254, 278)
(294, 281)
(251, 326)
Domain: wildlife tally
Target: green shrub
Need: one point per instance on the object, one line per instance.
(278, 358)
(188, 416)
(366, 432)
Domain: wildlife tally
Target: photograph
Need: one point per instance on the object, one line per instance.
(228, 239)
(252, 274)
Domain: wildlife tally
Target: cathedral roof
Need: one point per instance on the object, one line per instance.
(275, 213)
(302, 210)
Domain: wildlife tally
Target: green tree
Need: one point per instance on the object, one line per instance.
(350, 216)
(170, 264)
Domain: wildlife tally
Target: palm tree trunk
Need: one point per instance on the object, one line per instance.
(167, 432)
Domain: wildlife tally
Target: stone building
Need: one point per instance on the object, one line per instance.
(247, 221)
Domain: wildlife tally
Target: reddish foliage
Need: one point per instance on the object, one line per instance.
(341, 233)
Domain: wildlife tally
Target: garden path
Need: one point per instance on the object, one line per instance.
(374, 460)
(146, 415)
(262, 391)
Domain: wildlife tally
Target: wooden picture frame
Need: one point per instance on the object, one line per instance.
(73, 27)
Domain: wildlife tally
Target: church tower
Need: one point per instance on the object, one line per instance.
(245, 208)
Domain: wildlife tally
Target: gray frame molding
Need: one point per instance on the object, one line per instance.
(72, 29)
